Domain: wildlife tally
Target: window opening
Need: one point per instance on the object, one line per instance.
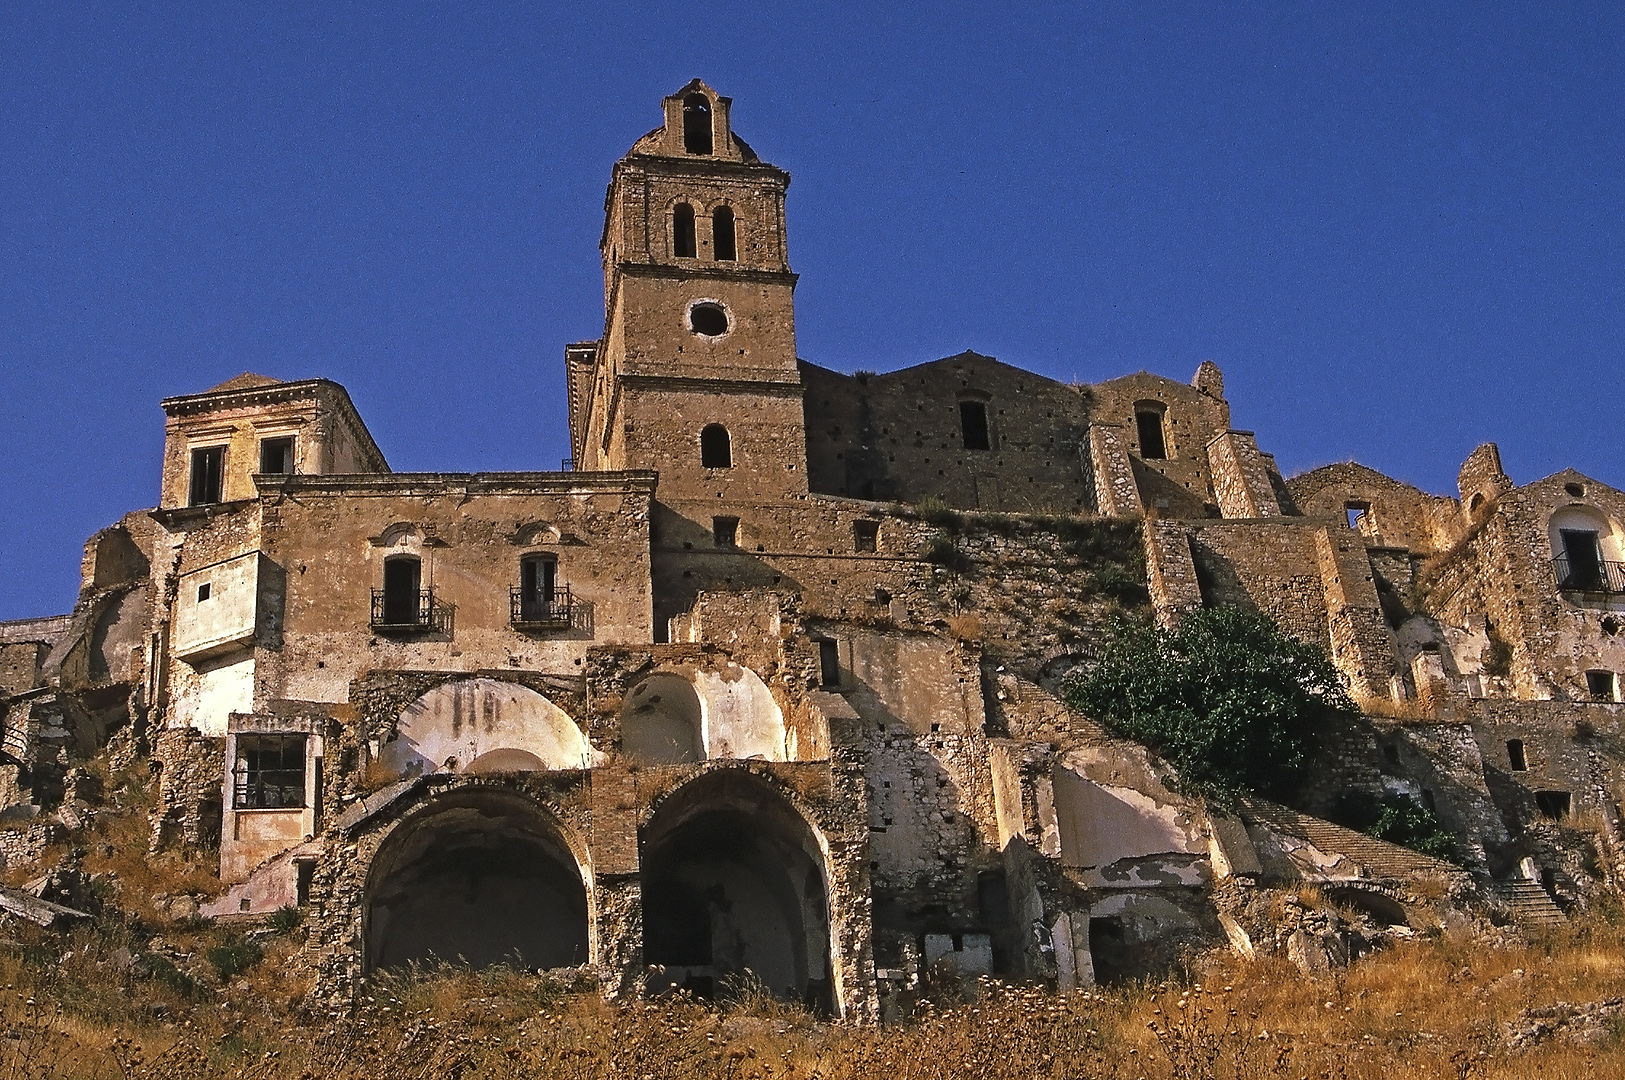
(723, 246)
(269, 772)
(1582, 559)
(829, 663)
(203, 592)
(403, 575)
(716, 448)
(1149, 424)
(973, 425)
(541, 599)
(208, 468)
(1516, 756)
(1553, 804)
(1356, 511)
(708, 319)
(697, 124)
(682, 231)
(725, 531)
(1575, 490)
(865, 534)
(276, 456)
(1602, 685)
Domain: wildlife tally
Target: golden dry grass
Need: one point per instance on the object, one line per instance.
(77, 1007)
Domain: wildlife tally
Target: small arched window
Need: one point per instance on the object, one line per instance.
(682, 231)
(716, 448)
(723, 247)
(697, 124)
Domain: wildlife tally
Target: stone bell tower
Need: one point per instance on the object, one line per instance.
(696, 373)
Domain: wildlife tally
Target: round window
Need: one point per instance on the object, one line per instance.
(710, 320)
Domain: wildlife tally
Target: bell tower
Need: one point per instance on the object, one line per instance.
(696, 373)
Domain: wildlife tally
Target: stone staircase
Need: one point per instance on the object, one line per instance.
(1530, 903)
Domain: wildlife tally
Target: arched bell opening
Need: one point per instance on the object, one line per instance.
(481, 877)
(734, 889)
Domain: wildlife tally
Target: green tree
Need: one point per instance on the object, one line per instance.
(1228, 699)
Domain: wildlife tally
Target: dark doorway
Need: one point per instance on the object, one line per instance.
(1148, 425)
(723, 245)
(403, 575)
(1583, 555)
(733, 892)
(481, 878)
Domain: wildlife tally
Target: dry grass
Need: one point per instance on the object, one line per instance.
(76, 1008)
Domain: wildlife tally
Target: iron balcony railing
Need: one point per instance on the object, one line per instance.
(567, 464)
(400, 613)
(1590, 575)
(541, 609)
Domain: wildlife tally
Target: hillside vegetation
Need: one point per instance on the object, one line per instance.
(98, 1003)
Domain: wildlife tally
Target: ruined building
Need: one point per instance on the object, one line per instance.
(766, 677)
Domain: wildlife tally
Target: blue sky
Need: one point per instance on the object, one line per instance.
(1399, 229)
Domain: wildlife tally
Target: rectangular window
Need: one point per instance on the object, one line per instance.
(269, 772)
(725, 531)
(973, 425)
(208, 469)
(204, 591)
(1356, 511)
(401, 582)
(1515, 755)
(829, 663)
(1148, 424)
(864, 535)
(1552, 804)
(1602, 685)
(1583, 555)
(276, 456)
(541, 599)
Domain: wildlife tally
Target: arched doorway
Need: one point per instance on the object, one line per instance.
(478, 876)
(734, 888)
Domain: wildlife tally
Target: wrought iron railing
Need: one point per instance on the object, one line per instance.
(1589, 575)
(392, 612)
(541, 609)
(268, 789)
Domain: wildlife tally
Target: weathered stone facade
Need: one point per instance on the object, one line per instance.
(767, 682)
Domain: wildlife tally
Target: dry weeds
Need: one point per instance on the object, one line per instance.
(94, 1004)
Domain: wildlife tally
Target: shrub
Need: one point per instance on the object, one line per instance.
(1398, 819)
(936, 512)
(233, 958)
(941, 550)
(1228, 699)
(285, 918)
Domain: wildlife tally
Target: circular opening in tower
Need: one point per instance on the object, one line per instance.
(708, 320)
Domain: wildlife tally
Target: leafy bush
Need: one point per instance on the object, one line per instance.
(286, 918)
(1398, 819)
(1228, 699)
(234, 958)
(936, 512)
(941, 549)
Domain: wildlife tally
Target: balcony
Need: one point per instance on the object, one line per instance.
(542, 609)
(420, 612)
(1595, 576)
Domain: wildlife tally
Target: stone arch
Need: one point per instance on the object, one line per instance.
(472, 721)
(661, 721)
(735, 885)
(738, 716)
(478, 875)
